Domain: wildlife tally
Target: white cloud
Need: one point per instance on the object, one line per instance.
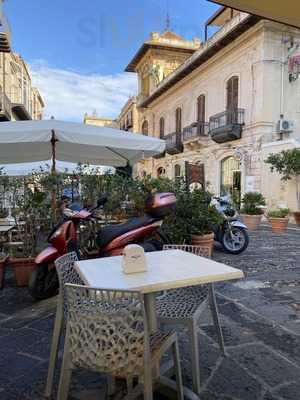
(68, 94)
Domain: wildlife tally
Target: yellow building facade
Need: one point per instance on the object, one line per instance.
(19, 100)
(223, 104)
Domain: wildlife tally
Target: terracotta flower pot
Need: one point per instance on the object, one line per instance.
(251, 221)
(279, 225)
(297, 217)
(23, 268)
(204, 241)
(2, 271)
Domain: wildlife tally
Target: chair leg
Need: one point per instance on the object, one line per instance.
(111, 386)
(54, 348)
(178, 370)
(195, 357)
(148, 386)
(65, 375)
(216, 319)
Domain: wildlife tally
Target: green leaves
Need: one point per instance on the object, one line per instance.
(252, 202)
(286, 163)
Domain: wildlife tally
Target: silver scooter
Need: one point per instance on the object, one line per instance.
(232, 233)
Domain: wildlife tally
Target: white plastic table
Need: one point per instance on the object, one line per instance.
(168, 269)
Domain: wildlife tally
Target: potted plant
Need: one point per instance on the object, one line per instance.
(3, 260)
(203, 217)
(287, 164)
(278, 219)
(252, 210)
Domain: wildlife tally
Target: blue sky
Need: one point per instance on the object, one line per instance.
(77, 50)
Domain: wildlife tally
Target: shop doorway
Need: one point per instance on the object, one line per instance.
(231, 179)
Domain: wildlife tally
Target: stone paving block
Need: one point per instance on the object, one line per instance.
(265, 331)
(290, 391)
(44, 324)
(265, 364)
(233, 333)
(20, 340)
(231, 381)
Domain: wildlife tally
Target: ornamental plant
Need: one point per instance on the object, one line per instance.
(253, 203)
(279, 213)
(203, 215)
(287, 164)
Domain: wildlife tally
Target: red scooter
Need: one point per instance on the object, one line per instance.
(110, 240)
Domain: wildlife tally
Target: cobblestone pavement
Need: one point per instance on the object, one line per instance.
(260, 317)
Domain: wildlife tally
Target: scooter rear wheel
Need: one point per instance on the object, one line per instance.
(43, 282)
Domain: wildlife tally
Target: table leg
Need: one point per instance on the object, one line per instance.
(151, 312)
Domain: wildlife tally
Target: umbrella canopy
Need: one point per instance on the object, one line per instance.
(61, 166)
(26, 141)
(286, 12)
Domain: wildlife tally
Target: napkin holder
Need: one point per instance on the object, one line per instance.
(134, 259)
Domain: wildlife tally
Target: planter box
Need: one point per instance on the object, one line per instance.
(279, 225)
(297, 217)
(204, 241)
(2, 271)
(23, 268)
(251, 221)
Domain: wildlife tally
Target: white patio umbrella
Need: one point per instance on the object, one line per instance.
(286, 12)
(27, 141)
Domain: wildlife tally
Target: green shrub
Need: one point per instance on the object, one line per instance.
(279, 213)
(252, 203)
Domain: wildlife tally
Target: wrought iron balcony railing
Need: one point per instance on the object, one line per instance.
(174, 143)
(228, 117)
(196, 130)
(227, 126)
(5, 32)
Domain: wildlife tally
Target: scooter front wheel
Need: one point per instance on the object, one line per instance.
(43, 282)
(235, 240)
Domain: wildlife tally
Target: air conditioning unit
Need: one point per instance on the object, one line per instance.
(285, 126)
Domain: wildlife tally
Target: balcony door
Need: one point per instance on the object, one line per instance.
(200, 113)
(178, 120)
(232, 100)
(145, 128)
(161, 128)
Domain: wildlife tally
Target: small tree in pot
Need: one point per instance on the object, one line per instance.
(279, 219)
(203, 217)
(287, 164)
(252, 210)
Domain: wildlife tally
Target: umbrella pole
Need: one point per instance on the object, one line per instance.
(53, 173)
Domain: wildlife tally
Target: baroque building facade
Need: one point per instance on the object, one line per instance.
(223, 104)
(19, 100)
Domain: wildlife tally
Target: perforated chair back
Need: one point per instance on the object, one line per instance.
(107, 330)
(67, 274)
(201, 251)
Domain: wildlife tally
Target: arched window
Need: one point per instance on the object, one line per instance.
(161, 172)
(232, 99)
(178, 120)
(177, 171)
(145, 128)
(161, 127)
(201, 108)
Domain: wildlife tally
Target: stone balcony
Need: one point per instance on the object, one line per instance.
(227, 125)
(196, 135)
(5, 33)
(174, 143)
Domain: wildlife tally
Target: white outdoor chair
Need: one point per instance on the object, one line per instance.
(183, 306)
(66, 274)
(107, 332)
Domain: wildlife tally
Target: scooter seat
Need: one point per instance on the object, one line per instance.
(109, 233)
